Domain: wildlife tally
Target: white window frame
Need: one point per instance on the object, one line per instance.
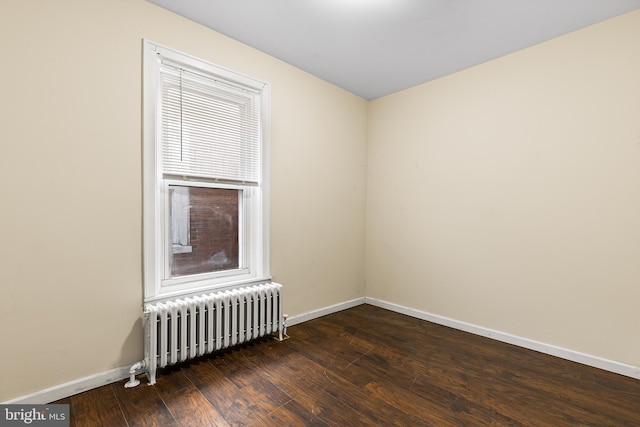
(254, 211)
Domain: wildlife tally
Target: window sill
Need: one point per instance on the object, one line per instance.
(179, 249)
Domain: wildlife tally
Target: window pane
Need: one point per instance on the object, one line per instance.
(203, 229)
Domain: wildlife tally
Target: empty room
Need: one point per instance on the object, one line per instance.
(320, 212)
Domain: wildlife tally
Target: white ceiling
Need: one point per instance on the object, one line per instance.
(376, 47)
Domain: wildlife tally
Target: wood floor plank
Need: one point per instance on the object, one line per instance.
(238, 405)
(291, 414)
(369, 366)
(355, 397)
(382, 364)
(214, 386)
(142, 406)
(421, 382)
(493, 373)
(251, 405)
(96, 408)
(185, 402)
(241, 366)
(311, 396)
(504, 369)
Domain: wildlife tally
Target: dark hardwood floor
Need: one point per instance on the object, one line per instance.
(369, 366)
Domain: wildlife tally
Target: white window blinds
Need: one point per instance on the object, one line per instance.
(210, 128)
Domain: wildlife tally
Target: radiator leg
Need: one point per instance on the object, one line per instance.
(151, 374)
(284, 326)
(132, 374)
(282, 332)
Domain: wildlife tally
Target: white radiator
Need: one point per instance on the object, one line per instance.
(189, 327)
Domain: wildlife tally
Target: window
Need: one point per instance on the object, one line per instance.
(206, 188)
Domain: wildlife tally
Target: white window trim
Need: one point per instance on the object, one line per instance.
(155, 228)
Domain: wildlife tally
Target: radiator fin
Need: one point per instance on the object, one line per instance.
(189, 327)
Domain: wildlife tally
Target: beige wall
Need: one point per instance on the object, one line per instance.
(71, 294)
(508, 195)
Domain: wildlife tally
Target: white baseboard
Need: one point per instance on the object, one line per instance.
(294, 320)
(93, 381)
(563, 353)
(73, 387)
(87, 383)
